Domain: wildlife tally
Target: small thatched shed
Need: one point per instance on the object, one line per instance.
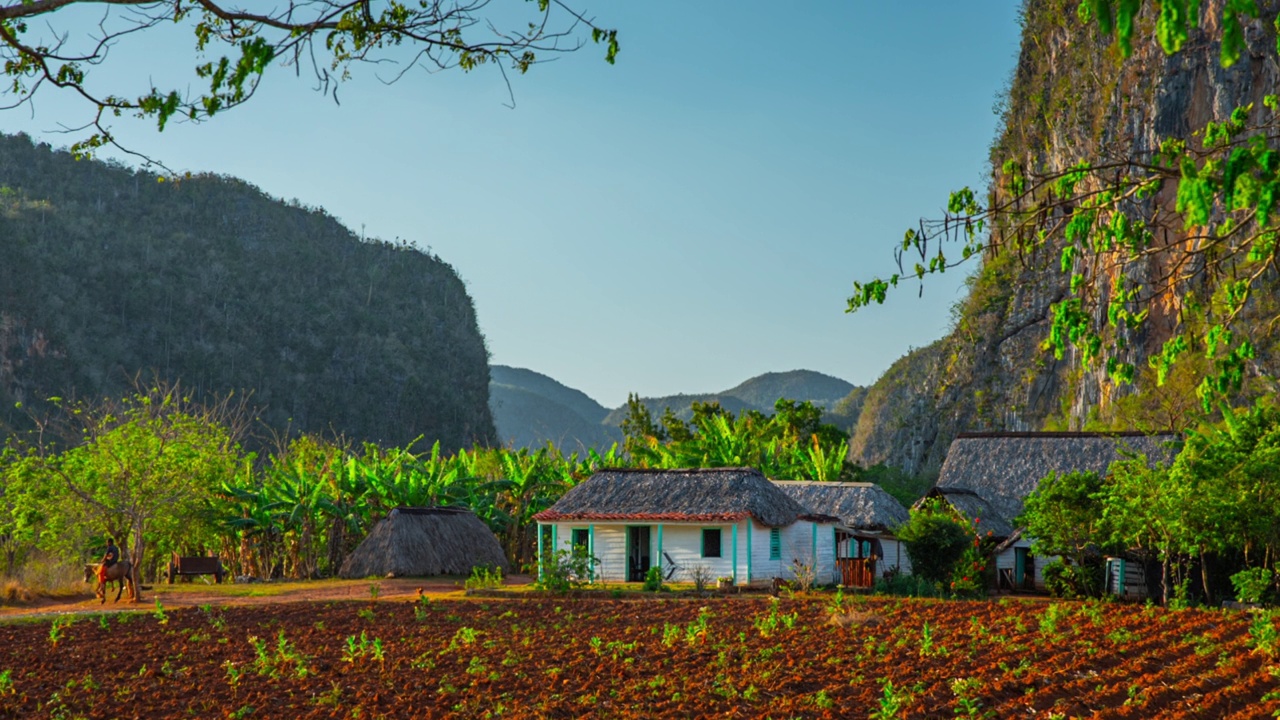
(426, 541)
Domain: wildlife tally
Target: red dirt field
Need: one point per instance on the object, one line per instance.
(721, 656)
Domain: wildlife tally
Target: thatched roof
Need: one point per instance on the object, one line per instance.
(1003, 468)
(973, 506)
(426, 541)
(860, 506)
(698, 495)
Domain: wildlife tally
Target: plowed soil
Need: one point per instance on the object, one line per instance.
(722, 656)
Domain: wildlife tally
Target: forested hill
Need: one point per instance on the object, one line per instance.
(107, 274)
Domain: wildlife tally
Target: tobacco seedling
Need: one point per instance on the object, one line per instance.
(927, 647)
(333, 697)
(57, 627)
(966, 690)
(363, 648)
(234, 673)
(159, 613)
(6, 682)
(285, 655)
(892, 702)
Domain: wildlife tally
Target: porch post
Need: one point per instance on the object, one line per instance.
(835, 553)
(735, 553)
(657, 561)
(591, 552)
(539, 551)
(749, 524)
(813, 544)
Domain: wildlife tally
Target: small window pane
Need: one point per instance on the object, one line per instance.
(711, 542)
(580, 537)
(775, 544)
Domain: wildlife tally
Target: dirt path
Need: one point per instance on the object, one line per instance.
(197, 594)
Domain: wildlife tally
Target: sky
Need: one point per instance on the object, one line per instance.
(678, 222)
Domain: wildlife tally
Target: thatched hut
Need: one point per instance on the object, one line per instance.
(426, 541)
(988, 476)
(722, 522)
(868, 515)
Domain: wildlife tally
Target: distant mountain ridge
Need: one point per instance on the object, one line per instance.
(531, 409)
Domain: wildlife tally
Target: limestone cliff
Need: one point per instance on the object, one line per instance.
(1072, 98)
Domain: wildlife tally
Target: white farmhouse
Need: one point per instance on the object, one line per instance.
(730, 522)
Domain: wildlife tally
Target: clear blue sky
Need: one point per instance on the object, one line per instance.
(681, 221)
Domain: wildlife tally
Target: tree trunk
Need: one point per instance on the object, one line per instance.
(139, 548)
(1164, 580)
(1204, 577)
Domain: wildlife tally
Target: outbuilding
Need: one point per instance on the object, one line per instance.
(421, 541)
(864, 537)
(987, 477)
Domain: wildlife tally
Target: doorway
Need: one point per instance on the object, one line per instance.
(638, 557)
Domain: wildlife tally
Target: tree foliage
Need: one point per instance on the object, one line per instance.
(1064, 515)
(141, 469)
(791, 444)
(67, 44)
(936, 540)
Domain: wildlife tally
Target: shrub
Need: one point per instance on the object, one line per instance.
(968, 574)
(1073, 581)
(1252, 585)
(484, 577)
(906, 585)
(563, 570)
(935, 541)
(653, 580)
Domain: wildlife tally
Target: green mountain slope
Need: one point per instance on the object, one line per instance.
(541, 385)
(757, 393)
(764, 390)
(525, 418)
(108, 274)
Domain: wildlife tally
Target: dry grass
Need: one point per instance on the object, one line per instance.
(855, 619)
(44, 577)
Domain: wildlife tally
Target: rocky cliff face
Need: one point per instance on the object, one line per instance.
(1072, 98)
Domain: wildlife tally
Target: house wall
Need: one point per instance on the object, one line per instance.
(683, 543)
(895, 555)
(1005, 560)
(1133, 586)
(798, 542)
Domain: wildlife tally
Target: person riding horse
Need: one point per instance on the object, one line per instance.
(109, 558)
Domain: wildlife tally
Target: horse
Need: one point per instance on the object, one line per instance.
(121, 573)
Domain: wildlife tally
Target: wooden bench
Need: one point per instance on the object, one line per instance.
(192, 566)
